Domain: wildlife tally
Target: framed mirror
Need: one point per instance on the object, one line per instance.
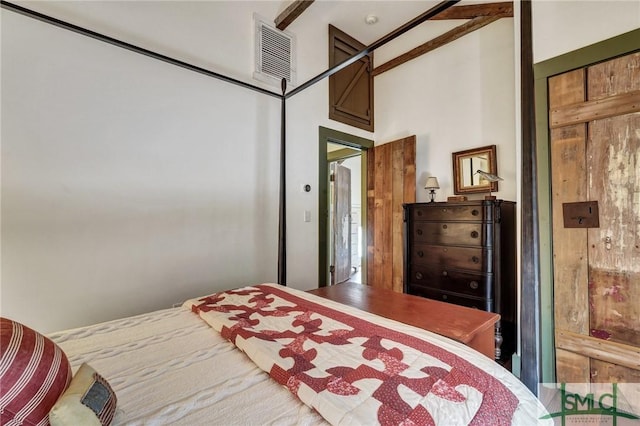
(466, 164)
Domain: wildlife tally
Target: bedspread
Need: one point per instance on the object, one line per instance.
(355, 370)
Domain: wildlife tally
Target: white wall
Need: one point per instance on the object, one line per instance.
(129, 184)
(457, 97)
(306, 111)
(563, 26)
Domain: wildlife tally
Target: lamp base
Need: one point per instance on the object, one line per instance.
(432, 193)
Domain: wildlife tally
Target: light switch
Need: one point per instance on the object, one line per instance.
(307, 215)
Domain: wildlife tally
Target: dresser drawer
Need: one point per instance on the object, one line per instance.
(449, 212)
(452, 257)
(477, 285)
(445, 233)
(470, 302)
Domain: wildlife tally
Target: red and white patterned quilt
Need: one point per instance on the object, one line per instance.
(353, 370)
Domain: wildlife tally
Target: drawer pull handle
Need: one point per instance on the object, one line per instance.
(445, 273)
(444, 297)
(444, 210)
(419, 212)
(475, 259)
(419, 232)
(419, 275)
(474, 234)
(473, 284)
(444, 226)
(475, 212)
(420, 253)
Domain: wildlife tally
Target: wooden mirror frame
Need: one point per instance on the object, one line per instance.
(459, 186)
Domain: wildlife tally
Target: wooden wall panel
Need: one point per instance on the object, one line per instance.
(603, 350)
(614, 255)
(614, 302)
(397, 162)
(569, 245)
(606, 372)
(613, 77)
(392, 172)
(614, 167)
(383, 251)
(572, 367)
(567, 89)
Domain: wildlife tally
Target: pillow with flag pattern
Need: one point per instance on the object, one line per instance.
(89, 400)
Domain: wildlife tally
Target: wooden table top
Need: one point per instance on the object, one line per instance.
(457, 322)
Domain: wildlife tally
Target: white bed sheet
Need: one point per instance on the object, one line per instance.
(169, 367)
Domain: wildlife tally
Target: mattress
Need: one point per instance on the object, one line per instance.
(172, 367)
(169, 367)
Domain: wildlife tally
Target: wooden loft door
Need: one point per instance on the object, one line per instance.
(350, 89)
(391, 181)
(595, 156)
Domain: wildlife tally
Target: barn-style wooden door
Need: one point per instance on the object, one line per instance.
(391, 181)
(595, 156)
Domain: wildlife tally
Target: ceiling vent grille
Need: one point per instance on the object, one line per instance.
(275, 54)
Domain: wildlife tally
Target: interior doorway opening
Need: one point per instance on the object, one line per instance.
(348, 151)
(345, 214)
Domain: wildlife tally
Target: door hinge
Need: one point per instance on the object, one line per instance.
(332, 177)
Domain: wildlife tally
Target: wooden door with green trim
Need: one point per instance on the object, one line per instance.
(594, 116)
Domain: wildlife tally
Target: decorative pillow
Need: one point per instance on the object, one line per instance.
(89, 400)
(34, 372)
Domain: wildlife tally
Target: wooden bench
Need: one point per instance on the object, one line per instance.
(473, 327)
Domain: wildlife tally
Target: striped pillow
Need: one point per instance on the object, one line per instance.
(34, 372)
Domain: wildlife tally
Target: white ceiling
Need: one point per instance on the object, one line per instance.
(349, 15)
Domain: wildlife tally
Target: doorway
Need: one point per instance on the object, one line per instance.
(345, 213)
(342, 228)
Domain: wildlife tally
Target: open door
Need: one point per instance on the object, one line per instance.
(341, 223)
(391, 182)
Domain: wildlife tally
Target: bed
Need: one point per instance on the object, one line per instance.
(269, 354)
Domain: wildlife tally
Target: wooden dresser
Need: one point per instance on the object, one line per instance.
(465, 253)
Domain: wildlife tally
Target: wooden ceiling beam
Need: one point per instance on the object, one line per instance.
(437, 42)
(501, 9)
(290, 14)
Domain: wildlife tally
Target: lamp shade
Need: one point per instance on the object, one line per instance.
(432, 183)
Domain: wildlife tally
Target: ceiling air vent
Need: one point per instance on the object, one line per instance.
(275, 54)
